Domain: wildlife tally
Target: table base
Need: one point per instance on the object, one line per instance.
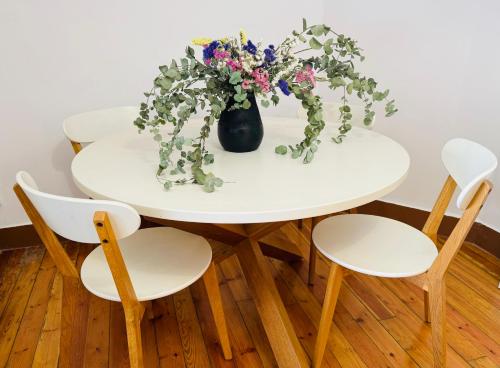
(246, 241)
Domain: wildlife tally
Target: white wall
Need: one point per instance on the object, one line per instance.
(59, 58)
(441, 61)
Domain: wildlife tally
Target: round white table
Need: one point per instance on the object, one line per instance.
(260, 186)
(262, 191)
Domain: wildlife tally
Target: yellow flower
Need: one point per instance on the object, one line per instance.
(202, 41)
(243, 37)
(224, 40)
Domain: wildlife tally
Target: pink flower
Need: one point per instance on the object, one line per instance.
(265, 86)
(234, 65)
(261, 78)
(207, 61)
(306, 75)
(221, 54)
(260, 74)
(246, 84)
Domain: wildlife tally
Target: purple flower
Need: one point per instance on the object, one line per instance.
(250, 47)
(208, 52)
(269, 54)
(283, 85)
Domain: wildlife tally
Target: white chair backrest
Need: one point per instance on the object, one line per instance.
(93, 125)
(73, 218)
(469, 164)
(331, 112)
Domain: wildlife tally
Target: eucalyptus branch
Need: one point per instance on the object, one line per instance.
(298, 52)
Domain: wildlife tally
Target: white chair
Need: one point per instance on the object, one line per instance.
(130, 266)
(331, 112)
(383, 247)
(90, 126)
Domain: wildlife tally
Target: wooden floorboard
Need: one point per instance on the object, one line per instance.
(378, 322)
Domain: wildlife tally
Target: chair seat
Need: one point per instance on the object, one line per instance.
(160, 262)
(374, 245)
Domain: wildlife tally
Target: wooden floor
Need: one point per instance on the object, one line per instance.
(378, 322)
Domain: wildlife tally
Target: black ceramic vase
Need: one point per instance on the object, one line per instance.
(241, 130)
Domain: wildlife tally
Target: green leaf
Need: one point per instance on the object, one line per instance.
(216, 109)
(211, 84)
(264, 103)
(337, 82)
(211, 182)
(390, 113)
(163, 69)
(166, 83)
(235, 78)
(314, 43)
(199, 176)
(179, 141)
(240, 97)
(339, 138)
(209, 186)
(328, 49)
(246, 104)
(173, 73)
(378, 96)
(281, 150)
(304, 24)
(309, 156)
(184, 63)
(190, 52)
(318, 116)
(208, 159)
(275, 99)
(218, 182)
(318, 30)
(167, 185)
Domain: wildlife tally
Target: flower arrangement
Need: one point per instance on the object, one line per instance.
(236, 68)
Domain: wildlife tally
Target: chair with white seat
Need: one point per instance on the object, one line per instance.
(90, 126)
(383, 247)
(331, 112)
(130, 266)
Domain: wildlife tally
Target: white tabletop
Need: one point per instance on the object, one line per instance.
(260, 186)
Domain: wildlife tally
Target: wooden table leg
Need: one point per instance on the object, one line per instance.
(278, 244)
(282, 337)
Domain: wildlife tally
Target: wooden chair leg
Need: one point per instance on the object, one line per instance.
(331, 296)
(214, 297)
(437, 303)
(427, 315)
(312, 263)
(353, 211)
(300, 224)
(312, 253)
(133, 324)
